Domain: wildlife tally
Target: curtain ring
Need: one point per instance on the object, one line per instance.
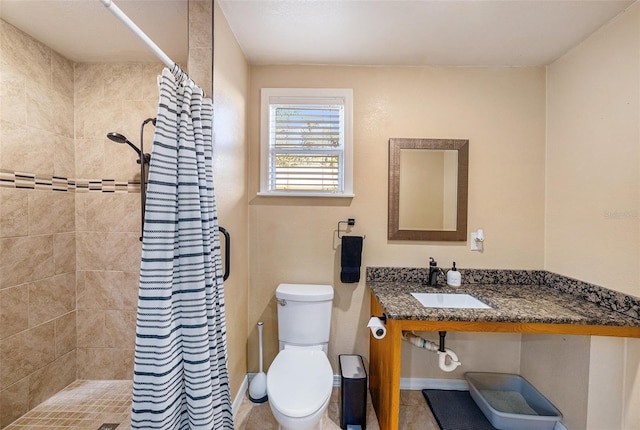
(177, 72)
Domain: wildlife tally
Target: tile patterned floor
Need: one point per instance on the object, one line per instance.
(83, 405)
(414, 414)
(86, 405)
(252, 416)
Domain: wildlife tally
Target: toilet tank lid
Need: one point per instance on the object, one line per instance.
(304, 292)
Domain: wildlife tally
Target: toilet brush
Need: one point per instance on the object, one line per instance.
(258, 386)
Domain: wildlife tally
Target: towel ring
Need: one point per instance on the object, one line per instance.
(349, 222)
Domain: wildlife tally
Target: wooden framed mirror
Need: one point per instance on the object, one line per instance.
(428, 189)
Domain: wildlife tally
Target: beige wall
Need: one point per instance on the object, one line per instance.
(593, 153)
(592, 217)
(500, 111)
(37, 227)
(558, 366)
(231, 81)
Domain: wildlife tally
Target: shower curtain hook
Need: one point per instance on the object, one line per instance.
(178, 73)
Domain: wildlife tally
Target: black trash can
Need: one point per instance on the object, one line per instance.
(353, 392)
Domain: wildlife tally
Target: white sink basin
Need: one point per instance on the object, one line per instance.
(445, 300)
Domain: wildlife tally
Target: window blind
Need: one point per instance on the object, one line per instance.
(306, 147)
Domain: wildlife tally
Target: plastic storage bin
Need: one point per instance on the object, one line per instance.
(510, 402)
(353, 392)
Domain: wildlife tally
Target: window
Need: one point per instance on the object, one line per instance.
(306, 141)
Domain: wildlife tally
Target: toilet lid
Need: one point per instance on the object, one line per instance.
(299, 381)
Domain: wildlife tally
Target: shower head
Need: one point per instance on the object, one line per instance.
(119, 138)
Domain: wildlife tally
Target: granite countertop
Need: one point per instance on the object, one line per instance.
(510, 302)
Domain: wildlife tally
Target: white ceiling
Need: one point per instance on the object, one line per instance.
(414, 32)
(355, 32)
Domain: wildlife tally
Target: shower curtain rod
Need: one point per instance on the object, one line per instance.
(172, 65)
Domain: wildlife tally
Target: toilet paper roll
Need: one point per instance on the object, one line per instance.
(378, 330)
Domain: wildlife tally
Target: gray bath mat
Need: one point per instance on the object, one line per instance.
(456, 410)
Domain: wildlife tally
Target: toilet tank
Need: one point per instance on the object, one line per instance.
(304, 314)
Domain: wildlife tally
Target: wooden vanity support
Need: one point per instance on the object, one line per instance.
(385, 354)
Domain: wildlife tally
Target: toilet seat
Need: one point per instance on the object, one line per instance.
(299, 382)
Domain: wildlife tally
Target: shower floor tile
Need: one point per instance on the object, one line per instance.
(82, 405)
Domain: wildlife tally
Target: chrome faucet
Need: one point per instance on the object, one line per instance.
(433, 271)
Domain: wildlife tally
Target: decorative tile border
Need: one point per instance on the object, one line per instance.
(614, 300)
(30, 181)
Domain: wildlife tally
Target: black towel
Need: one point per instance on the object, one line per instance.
(351, 259)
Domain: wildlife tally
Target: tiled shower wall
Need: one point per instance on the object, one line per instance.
(37, 227)
(69, 259)
(109, 97)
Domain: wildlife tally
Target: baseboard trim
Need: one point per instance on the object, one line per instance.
(240, 395)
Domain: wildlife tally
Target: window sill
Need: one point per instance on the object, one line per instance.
(305, 194)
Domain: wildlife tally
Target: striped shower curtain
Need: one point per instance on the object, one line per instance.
(180, 368)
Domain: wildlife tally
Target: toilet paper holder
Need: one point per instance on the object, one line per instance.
(377, 325)
(383, 318)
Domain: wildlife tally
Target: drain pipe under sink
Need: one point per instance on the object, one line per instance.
(443, 352)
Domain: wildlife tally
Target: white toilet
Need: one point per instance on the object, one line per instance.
(300, 378)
